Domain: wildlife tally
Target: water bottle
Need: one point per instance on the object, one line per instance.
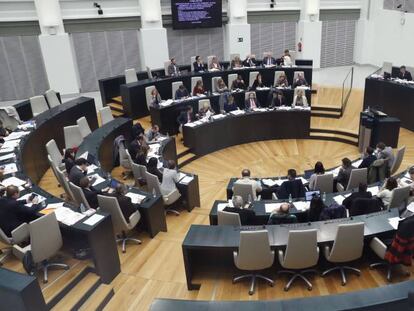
(290, 198)
(249, 199)
(324, 197)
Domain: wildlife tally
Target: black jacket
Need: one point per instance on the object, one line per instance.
(293, 187)
(91, 195)
(155, 171)
(367, 161)
(256, 84)
(247, 216)
(126, 205)
(183, 117)
(198, 67)
(356, 195)
(275, 102)
(14, 212)
(407, 76)
(362, 206)
(75, 175)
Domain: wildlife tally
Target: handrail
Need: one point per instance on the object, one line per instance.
(345, 97)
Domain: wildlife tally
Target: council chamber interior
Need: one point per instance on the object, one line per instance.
(206, 155)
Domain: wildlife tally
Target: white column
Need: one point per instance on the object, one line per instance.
(364, 35)
(310, 32)
(57, 51)
(237, 31)
(153, 42)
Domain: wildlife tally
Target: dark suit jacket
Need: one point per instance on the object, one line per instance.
(75, 175)
(198, 67)
(246, 215)
(343, 176)
(367, 161)
(133, 148)
(127, 208)
(256, 84)
(181, 93)
(141, 159)
(91, 195)
(272, 60)
(136, 130)
(406, 76)
(238, 85)
(155, 171)
(229, 107)
(69, 163)
(363, 206)
(14, 212)
(275, 102)
(249, 62)
(292, 187)
(183, 118)
(356, 195)
(300, 82)
(247, 103)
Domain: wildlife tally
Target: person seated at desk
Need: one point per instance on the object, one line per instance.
(286, 59)
(215, 65)
(14, 212)
(319, 169)
(169, 178)
(282, 81)
(69, 159)
(78, 171)
(206, 111)
(276, 99)
(258, 82)
(186, 116)
(404, 74)
(368, 159)
(198, 64)
(153, 133)
(385, 192)
(137, 130)
(152, 168)
(246, 180)
(155, 98)
(221, 87)
(141, 156)
(343, 174)
(136, 144)
(125, 203)
(300, 81)
(172, 69)
(300, 99)
(90, 193)
(385, 152)
(362, 193)
(282, 215)
(3, 132)
(250, 61)
(268, 60)
(316, 208)
(293, 187)
(247, 215)
(238, 83)
(198, 88)
(230, 104)
(236, 62)
(252, 102)
(181, 92)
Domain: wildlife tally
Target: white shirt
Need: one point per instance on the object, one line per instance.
(385, 196)
(169, 178)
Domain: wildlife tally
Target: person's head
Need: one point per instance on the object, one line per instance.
(381, 146)
(252, 95)
(391, 183)
(300, 75)
(82, 163)
(141, 138)
(69, 154)
(346, 163)
(215, 59)
(237, 58)
(12, 192)
(173, 61)
(155, 128)
(362, 187)
(171, 165)
(245, 173)
(154, 92)
(269, 54)
(259, 77)
(237, 201)
(152, 162)
(291, 174)
(120, 189)
(206, 105)
(181, 87)
(189, 109)
(319, 169)
(369, 150)
(300, 93)
(411, 172)
(284, 208)
(239, 78)
(84, 182)
(198, 58)
(287, 52)
(220, 82)
(402, 69)
(199, 84)
(282, 76)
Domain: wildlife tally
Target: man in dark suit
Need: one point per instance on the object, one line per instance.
(361, 194)
(250, 61)
(125, 203)
(91, 194)
(276, 99)
(292, 186)
(251, 102)
(198, 64)
(181, 92)
(247, 215)
(268, 60)
(78, 171)
(186, 116)
(404, 74)
(172, 69)
(300, 81)
(14, 212)
(368, 159)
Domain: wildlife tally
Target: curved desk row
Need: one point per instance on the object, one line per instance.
(207, 247)
(234, 130)
(392, 297)
(134, 99)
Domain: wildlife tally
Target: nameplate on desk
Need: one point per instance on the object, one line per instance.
(93, 220)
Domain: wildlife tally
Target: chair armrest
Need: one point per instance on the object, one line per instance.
(327, 252)
(281, 256)
(134, 218)
(21, 233)
(378, 247)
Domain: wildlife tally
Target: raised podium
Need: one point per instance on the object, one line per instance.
(375, 127)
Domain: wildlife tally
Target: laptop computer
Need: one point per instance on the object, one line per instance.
(309, 195)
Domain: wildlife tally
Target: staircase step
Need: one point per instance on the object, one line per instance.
(80, 292)
(318, 107)
(326, 114)
(116, 106)
(335, 130)
(117, 114)
(334, 137)
(117, 99)
(99, 299)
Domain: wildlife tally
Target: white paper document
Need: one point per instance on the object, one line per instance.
(410, 207)
(67, 216)
(10, 168)
(221, 206)
(218, 116)
(7, 156)
(270, 207)
(302, 205)
(374, 190)
(269, 182)
(6, 150)
(84, 155)
(16, 135)
(135, 197)
(40, 198)
(186, 180)
(237, 112)
(93, 220)
(190, 124)
(98, 179)
(357, 163)
(394, 222)
(11, 143)
(91, 168)
(339, 199)
(335, 171)
(13, 181)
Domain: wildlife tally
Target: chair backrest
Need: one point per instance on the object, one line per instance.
(301, 250)
(324, 183)
(53, 151)
(110, 205)
(252, 77)
(106, 115)
(174, 88)
(292, 55)
(73, 136)
(64, 183)
(233, 56)
(358, 176)
(296, 90)
(254, 251)
(38, 104)
(247, 94)
(398, 160)
(136, 171)
(214, 81)
(45, 237)
(227, 218)
(349, 242)
(128, 155)
(277, 75)
(201, 103)
(52, 98)
(4, 238)
(130, 75)
(244, 190)
(153, 183)
(84, 128)
(148, 91)
(296, 73)
(142, 171)
(149, 72)
(194, 82)
(192, 61)
(231, 77)
(209, 60)
(166, 64)
(399, 197)
(124, 156)
(386, 67)
(78, 195)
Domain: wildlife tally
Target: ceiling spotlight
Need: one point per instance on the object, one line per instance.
(98, 6)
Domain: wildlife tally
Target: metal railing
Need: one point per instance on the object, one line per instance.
(347, 89)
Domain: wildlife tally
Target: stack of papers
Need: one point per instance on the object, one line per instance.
(6, 150)
(50, 208)
(13, 181)
(394, 222)
(186, 180)
(302, 205)
(218, 116)
(265, 88)
(166, 103)
(260, 109)
(270, 207)
(190, 124)
(374, 190)
(11, 144)
(10, 168)
(7, 156)
(91, 168)
(98, 179)
(237, 112)
(283, 108)
(135, 197)
(269, 182)
(93, 220)
(67, 216)
(16, 135)
(221, 206)
(40, 198)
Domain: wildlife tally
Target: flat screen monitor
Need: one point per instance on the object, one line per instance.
(309, 195)
(187, 14)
